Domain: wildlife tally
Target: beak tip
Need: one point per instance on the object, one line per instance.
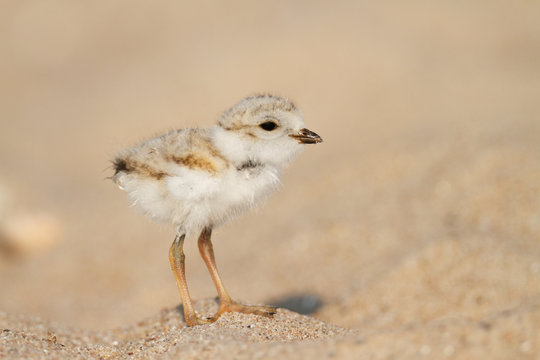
(306, 136)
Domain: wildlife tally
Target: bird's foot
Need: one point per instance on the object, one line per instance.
(196, 320)
(260, 310)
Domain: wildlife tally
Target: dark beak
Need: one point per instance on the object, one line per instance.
(306, 136)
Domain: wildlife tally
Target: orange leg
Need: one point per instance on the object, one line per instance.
(176, 257)
(226, 304)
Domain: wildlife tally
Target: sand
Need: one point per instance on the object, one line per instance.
(412, 232)
(165, 336)
(508, 334)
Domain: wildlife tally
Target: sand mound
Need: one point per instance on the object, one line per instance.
(506, 334)
(165, 335)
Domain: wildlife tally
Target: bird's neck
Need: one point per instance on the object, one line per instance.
(233, 148)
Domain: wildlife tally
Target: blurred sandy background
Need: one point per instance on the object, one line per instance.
(422, 204)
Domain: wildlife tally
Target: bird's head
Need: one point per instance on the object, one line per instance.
(269, 129)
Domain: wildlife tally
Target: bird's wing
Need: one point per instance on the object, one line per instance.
(171, 154)
(146, 159)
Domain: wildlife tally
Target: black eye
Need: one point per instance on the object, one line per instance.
(268, 125)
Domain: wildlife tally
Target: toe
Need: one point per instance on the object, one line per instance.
(260, 310)
(195, 320)
(267, 311)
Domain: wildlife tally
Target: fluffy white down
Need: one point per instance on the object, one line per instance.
(210, 201)
(193, 198)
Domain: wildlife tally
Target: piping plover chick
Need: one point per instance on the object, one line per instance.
(197, 179)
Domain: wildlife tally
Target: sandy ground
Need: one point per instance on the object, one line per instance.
(413, 231)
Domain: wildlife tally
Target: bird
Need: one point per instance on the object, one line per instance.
(199, 178)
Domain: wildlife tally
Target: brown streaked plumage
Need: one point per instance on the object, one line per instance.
(145, 170)
(194, 162)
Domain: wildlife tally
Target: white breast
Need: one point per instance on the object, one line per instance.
(199, 200)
